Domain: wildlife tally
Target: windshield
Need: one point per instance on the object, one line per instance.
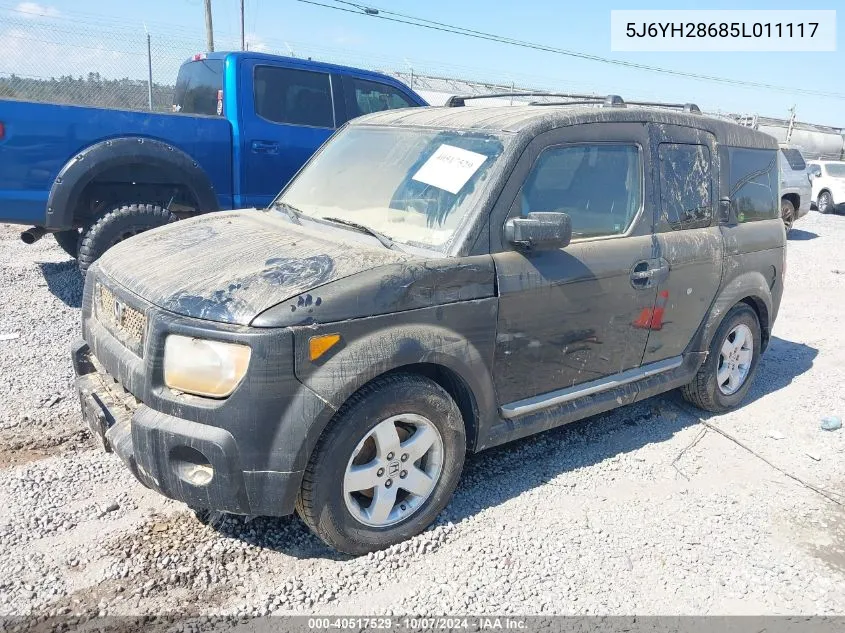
(836, 171)
(415, 186)
(197, 86)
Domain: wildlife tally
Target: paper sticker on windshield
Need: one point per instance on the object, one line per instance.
(449, 168)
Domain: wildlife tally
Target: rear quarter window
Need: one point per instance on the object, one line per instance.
(753, 183)
(794, 158)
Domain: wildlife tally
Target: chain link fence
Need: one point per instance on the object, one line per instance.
(85, 59)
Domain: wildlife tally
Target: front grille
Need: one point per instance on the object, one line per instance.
(125, 322)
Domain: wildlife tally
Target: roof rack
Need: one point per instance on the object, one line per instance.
(613, 101)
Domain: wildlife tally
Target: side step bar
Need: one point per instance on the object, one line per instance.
(553, 398)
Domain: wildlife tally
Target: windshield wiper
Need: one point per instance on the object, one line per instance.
(291, 211)
(381, 237)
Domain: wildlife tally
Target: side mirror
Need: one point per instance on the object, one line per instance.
(815, 171)
(540, 230)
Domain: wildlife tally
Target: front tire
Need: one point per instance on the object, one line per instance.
(726, 376)
(117, 225)
(386, 465)
(825, 202)
(787, 213)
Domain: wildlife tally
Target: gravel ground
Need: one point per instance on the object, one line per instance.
(642, 510)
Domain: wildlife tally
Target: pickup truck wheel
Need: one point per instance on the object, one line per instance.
(825, 202)
(69, 241)
(787, 212)
(726, 376)
(386, 465)
(116, 226)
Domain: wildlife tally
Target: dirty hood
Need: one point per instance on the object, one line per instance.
(231, 266)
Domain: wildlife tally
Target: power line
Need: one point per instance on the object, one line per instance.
(401, 18)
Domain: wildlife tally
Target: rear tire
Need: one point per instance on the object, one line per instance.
(117, 225)
(69, 241)
(825, 202)
(372, 439)
(712, 389)
(787, 213)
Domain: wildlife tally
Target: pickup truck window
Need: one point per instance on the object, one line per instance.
(372, 96)
(685, 183)
(197, 86)
(295, 97)
(754, 184)
(794, 158)
(598, 185)
(415, 186)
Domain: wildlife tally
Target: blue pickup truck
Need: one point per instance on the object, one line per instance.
(243, 124)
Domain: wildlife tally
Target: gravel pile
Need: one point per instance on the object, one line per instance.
(641, 510)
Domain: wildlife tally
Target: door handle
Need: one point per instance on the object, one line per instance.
(265, 147)
(649, 273)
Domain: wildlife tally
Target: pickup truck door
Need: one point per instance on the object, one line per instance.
(578, 314)
(287, 112)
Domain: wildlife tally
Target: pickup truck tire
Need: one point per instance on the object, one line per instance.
(726, 376)
(69, 241)
(372, 439)
(787, 213)
(117, 225)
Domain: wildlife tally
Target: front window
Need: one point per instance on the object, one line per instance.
(371, 96)
(416, 186)
(598, 185)
(835, 171)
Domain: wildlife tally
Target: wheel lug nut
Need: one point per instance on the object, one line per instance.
(405, 457)
(390, 456)
(388, 483)
(402, 507)
(403, 474)
(380, 472)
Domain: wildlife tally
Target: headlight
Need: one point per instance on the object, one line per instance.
(204, 368)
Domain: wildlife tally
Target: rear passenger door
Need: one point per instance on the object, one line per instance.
(687, 236)
(287, 113)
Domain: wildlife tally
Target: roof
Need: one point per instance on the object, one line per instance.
(535, 119)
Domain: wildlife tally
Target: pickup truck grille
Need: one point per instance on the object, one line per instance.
(126, 323)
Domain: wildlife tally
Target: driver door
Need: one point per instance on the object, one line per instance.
(582, 313)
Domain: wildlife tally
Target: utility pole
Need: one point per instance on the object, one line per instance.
(792, 117)
(243, 37)
(209, 28)
(149, 71)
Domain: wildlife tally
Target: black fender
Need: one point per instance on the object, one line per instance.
(751, 285)
(458, 338)
(84, 168)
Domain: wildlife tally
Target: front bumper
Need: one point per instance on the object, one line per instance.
(181, 459)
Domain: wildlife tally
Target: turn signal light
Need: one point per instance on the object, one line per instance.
(319, 345)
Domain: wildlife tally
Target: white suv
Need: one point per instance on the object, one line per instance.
(828, 184)
(795, 190)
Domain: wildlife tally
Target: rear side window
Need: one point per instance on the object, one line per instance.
(197, 86)
(754, 183)
(685, 185)
(372, 96)
(598, 185)
(794, 158)
(296, 97)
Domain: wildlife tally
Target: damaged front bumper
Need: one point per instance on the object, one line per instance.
(181, 459)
